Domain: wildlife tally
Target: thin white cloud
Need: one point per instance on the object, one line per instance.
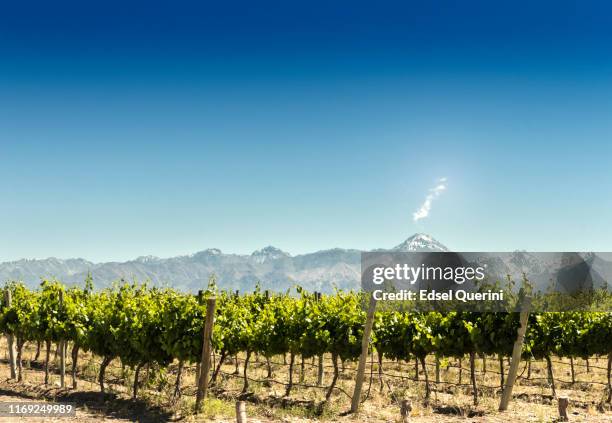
(434, 193)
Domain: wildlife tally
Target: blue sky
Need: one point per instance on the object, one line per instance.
(137, 129)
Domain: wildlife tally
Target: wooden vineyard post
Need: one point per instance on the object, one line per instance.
(241, 416)
(609, 399)
(365, 342)
(206, 349)
(516, 356)
(320, 358)
(62, 348)
(405, 410)
(10, 340)
(199, 297)
(563, 403)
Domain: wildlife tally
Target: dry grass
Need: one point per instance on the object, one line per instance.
(449, 402)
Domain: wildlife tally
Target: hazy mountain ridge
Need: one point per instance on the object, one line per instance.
(322, 270)
(272, 267)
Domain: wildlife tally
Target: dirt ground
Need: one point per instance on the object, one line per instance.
(532, 402)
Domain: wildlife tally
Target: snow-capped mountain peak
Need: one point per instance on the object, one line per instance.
(268, 253)
(420, 242)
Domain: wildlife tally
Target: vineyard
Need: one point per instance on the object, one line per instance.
(259, 332)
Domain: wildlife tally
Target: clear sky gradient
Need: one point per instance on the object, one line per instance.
(164, 129)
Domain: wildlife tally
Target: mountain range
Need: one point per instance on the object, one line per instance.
(321, 271)
(271, 267)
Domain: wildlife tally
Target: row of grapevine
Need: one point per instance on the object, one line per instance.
(141, 325)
